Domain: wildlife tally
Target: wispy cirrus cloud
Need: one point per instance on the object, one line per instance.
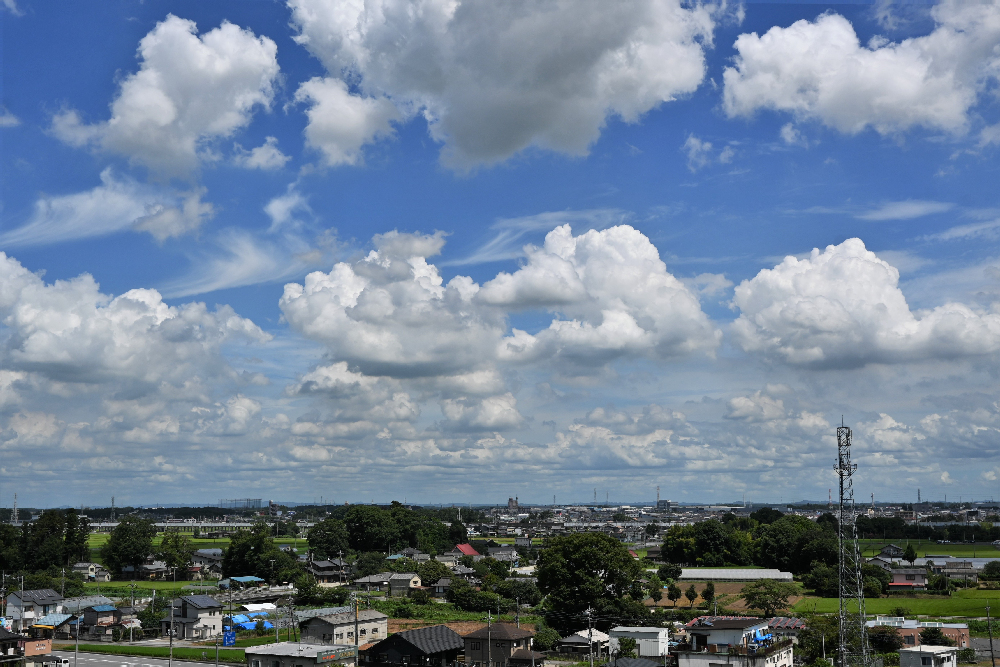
(907, 209)
(509, 237)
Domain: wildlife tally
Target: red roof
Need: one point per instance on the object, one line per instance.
(466, 549)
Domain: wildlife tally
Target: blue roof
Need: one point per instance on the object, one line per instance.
(394, 557)
(104, 607)
(246, 580)
(54, 620)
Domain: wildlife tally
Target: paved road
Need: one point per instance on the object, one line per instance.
(104, 660)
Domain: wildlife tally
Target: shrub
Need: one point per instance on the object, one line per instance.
(967, 655)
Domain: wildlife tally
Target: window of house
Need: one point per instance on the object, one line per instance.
(475, 646)
(374, 631)
(383, 657)
(911, 577)
(926, 660)
(405, 659)
(363, 632)
(340, 635)
(910, 639)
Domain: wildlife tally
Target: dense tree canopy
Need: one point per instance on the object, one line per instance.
(583, 570)
(251, 552)
(129, 544)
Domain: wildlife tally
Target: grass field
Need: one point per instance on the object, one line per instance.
(970, 603)
(206, 654)
(923, 548)
(98, 540)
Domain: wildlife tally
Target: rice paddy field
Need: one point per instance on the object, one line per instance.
(926, 548)
(965, 603)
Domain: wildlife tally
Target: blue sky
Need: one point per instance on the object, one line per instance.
(550, 247)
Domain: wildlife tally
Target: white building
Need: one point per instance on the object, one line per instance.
(928, 656)
(649, 642)
(717, 641)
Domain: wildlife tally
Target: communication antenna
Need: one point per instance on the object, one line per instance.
(853, 650)
(14, 519)
(657, 494)
(112, 509)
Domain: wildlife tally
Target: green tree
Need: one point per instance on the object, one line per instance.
(884, 639)
(766, 515)
(673, 593)
(708, 593)
(75, 548)
(875, 572)
(583, 570)
(934, 637)
(251, 552)
(46, 545)
(655, 588)
(820, 634)
(669, 572)
(175, 550)
(11, 556)
(823, 580)
(151, 615)
(523, 591)
(370, 563)
(909, 554)
(626, 647)
(372, 528)
(545, 638)
(767, 595)
(432, 571)
(129, 544)
(691, 594)
(872, 587)
(991, 571)
(328, 538)
(457, 533)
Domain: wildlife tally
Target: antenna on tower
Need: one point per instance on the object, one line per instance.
(829, 498)
(853, 650)
(13, 518)
(918, 495)
(657, 494)
(112, 509)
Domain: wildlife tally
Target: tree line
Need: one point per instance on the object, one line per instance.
(44, 551)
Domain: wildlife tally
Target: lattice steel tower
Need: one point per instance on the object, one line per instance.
(853, 650)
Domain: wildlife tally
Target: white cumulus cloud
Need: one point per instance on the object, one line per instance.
(492, 79)
(843, 307)
(820, 70)
(189, 90)
(267, 156)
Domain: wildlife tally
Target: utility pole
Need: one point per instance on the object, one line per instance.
(590, 634)
(170, 656)
(356, 643)
(76, 650)
(517, 611)
(989, 627)
(489, 639)
(62, 591)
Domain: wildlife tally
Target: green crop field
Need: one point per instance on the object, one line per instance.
(924, 548)
(198, 654)
(98, 540)
(967, 603)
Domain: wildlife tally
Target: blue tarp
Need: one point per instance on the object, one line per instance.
(760, 636)
(239, 618)
(247, 580)
(252, 625)
(255, 614)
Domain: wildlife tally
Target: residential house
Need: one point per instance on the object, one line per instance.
(78, 604)
(506, 554)
(54, 626)
(462, 572)
(435, 646)
(333, 571)
(786, 628)
(743, 640)
(25, 607)
(338, 629)
(37, 652)
(493, 645)
(891, 551)
(883, 563)
(928, 656)
(441, 587)
(649, 642)
(92, 571)
(210, 561)
(401, 583)
(294, 654)
(585, 642)
(961, 569)
(523, 541)
(194, 617)
(11, 647)
(526, 657)
(100, 620)
(465, 550)
(448, 559)
(908, 579)
(909, 629)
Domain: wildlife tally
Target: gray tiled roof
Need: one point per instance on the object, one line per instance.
(435, 639)
(201, 601)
